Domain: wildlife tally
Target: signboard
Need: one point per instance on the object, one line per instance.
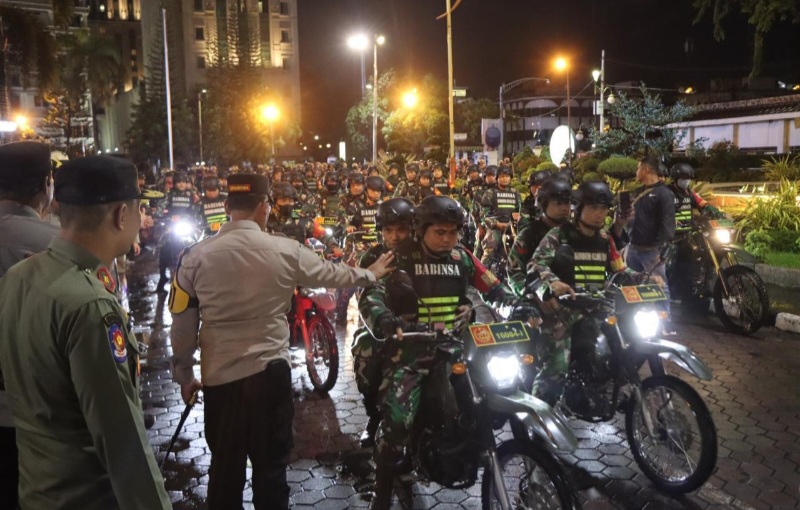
(459, 92)
(459, 137)
(485, 335)
(643, 294)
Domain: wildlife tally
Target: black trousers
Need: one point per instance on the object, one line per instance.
(9, 469)
(251, 417)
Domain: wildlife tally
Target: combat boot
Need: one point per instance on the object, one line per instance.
(368, 436)
(384, 481)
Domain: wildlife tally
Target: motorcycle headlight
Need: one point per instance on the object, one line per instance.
(182, 229)
(647, 323)
(504, 370)
(723, 235)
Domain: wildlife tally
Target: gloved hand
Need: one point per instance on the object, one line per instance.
(388, 324)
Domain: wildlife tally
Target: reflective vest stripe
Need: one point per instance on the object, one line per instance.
(593, 269)
(217, 218)
(436, 309)
(440, 300)
(590, 277)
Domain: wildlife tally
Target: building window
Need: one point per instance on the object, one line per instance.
(198, 6)
(285, 36)
(201, 62)
(37, 101)
(284, 8)
(199, 33)
(285, 62)
(263, 6)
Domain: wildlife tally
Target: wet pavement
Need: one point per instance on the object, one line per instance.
(754, 398)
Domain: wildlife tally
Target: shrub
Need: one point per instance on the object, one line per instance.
(546, 166)
(618, 167)
(762, 242)
(779, 212)
(787, 167)
(587, 164)
(592, 177)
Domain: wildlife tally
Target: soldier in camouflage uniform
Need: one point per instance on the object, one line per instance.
(284, 219)
(594, 255)
(393, 178)
(489, 182)
(425, 187)
(440, 184)
(441, 272)
(212, 206)
(530, 210)
(330, 204)
(554, 199)
(500, 206)
(408, 185)
(474, 181)
(393, 221)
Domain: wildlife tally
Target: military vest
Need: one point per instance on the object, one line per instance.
(588, 266)
(367, 214)
(440, 283)
(312, 185)
(330, 210)
(504, 204)
(214, 214)
(683, 212)
(442, 187)
(180, 202)
(291, 228)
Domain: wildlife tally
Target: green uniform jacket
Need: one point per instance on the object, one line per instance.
(70, 365)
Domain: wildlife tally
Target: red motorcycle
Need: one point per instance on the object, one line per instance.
(310, 329)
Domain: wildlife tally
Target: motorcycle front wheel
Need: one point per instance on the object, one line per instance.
(322, 354)
(745, 307)
(533, 479)
(681, 452)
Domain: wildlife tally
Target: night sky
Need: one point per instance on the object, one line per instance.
(496, 41)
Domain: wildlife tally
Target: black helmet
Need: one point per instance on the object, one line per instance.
(211, 183)
(180, 177)
(538, 178)
(394, 210)
(553, 189)
(394, 166)
(490, 170)
(425, 174)
(473, 168)
(296, 177)
(505, 170)
(331, 182)
(438, 166)
(681, 171)
(412, 167)
(663, 171)
(355, 178)
(593, 192)
(375, 183)
(283, 190)
(565, 174)
(435, 209)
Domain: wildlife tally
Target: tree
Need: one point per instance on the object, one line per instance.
(26, 48)
(468, 116)
(642, 126)
(359, 117)
(411, 129)
(762, 15)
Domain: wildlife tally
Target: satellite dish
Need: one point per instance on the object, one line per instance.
(561, 141)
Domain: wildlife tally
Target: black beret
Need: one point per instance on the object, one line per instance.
(23, 165)
(96, 180)
(244, 184)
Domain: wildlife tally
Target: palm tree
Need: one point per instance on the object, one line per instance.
(26, 45)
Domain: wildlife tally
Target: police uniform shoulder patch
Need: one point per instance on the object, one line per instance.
(106, 279)
(116, 337)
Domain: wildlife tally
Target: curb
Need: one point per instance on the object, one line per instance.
(780, 276)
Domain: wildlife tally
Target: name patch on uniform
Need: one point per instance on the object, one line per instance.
(437, 270)
(238, 188)
(590, 256)
(116, 339)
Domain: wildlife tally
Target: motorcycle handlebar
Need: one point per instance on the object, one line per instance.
(432, 337)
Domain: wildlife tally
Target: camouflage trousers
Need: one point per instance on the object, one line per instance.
(552, 355)
(490, 242)
(403, 377)
(368, 368)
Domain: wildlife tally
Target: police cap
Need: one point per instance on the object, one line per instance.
(23, 165)
(248, 184)
(97, 180)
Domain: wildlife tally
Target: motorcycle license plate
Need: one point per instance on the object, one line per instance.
(485, 335)
(721, 223)
(643, 294)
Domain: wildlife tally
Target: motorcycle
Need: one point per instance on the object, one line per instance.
(180, 232)
(310, 330)
(498, 262)
(703, 264)
(669, 428)
(353, 246)
(471, 393)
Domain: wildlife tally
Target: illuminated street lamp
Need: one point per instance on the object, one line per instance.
(561, 64)
(270, 113)
(22, 122)
(360, 43)
(410, 98)
(379, 40)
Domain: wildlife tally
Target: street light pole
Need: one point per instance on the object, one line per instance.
(363, 76)
(601, 105)
(200, 121)
(272, 140)
(451, 160)
(569, 109)
(375, 101)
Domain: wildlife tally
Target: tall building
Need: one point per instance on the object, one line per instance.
(28, 101)
(203, 32)
(120, 21)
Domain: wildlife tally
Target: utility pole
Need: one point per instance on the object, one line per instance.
(169, 96)
(452, 157)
